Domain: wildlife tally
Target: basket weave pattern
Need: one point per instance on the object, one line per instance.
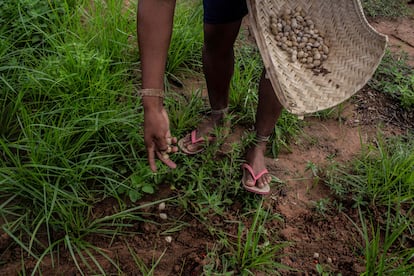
(356, 50)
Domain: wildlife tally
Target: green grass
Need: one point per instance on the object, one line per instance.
(380, 184)
(383, 171)
(71, 136)
(395, 78)
(29, 22)
(385, 8)
(385, 248)
(186, 43)
(69, 127)
(254, 250)
(143, 268)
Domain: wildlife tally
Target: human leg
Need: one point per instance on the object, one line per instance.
(222, 21)
(268, 112)
(218, 61)
(220, 33)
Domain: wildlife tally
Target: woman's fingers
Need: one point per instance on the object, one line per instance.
(164, 151)
(151, 158)
(165, 158)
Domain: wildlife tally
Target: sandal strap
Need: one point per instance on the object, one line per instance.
(151, 92)
(253, 175)
(194, 139)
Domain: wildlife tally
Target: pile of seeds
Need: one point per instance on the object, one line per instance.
(295, 33)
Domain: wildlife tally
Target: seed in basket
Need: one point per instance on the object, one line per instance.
(295, 33)
(288, 12)
(294, 23)
(274, 29)
(287, 28)
(294, 56)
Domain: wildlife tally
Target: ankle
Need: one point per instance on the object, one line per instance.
(260, 143)
(259, 147)
(261, 138)
(256, 153)
(222, 111)
(218, 115)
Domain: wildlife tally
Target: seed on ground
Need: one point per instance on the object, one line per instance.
(163, 215)
(329, 260)
(161, 206)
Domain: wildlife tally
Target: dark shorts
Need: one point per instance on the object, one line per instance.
(224, 11)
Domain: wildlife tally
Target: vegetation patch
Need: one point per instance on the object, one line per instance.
(395, 78)
(76, 192)
(385, 8)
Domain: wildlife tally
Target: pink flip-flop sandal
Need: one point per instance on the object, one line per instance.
(254, 189)
(192, 137)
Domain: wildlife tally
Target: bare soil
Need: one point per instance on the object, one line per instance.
(333, 237)
(400, 33)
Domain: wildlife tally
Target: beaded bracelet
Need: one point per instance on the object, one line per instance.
(151, 92)
(261, 138)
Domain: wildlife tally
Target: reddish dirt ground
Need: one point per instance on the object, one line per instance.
(400, 34)
(333, 238)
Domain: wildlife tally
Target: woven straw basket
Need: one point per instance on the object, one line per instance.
(355, 51)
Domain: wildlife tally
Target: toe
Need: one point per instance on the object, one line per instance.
(194, 147)
(249, 181)
(260, 183)
(186, 140)
(263, 181)
(190, 147)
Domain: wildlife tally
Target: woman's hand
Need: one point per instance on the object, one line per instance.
(157, 137)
